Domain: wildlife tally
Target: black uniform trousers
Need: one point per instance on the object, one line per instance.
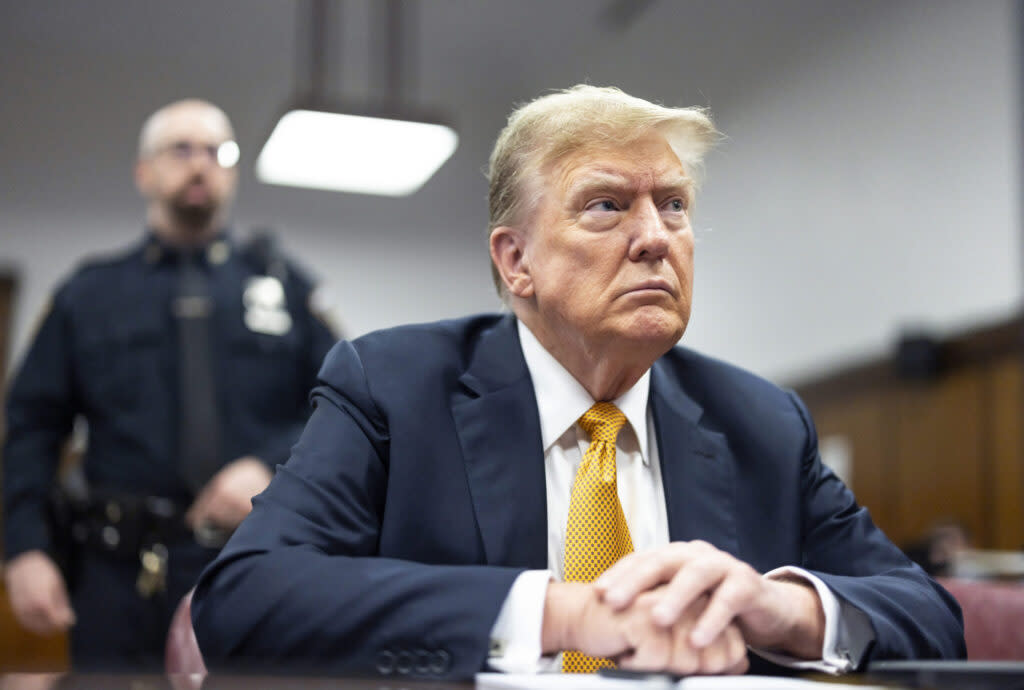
(117, 628)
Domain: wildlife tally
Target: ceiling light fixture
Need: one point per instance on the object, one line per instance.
(387, 150)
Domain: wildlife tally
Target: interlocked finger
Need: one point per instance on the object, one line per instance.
(729, 601)
(728, 653)
(691, 581)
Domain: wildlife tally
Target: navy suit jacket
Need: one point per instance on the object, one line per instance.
(416, 495)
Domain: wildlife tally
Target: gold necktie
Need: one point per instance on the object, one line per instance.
(597, 534)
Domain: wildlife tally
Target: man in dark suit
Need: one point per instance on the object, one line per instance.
(563, 487)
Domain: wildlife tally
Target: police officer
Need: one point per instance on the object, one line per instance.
(190, 359)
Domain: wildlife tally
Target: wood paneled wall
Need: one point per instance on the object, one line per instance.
(8, 289)
(946, 447)
(19, 649)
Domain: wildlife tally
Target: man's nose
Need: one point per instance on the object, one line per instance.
(650, 237)
(200, 161)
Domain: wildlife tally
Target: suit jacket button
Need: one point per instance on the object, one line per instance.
(442, 662)
(404, 662)
(423, 661)
(385, 662)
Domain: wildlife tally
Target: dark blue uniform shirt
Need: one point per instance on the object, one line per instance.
(108, 350)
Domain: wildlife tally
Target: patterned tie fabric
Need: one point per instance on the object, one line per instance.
(597, 534)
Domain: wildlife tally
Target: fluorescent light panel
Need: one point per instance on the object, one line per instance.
(352, 153)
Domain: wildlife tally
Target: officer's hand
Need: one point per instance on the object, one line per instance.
(227, 498)
(575, 617)
(771, 614)
(39, 598)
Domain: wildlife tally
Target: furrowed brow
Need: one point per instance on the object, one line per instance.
(597, 182)
(681, 185)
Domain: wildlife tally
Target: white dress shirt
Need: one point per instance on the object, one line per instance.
(561, 401)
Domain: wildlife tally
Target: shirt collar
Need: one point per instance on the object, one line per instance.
(561, 399)
(155, 251)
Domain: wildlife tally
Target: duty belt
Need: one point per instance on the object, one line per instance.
(127, 526)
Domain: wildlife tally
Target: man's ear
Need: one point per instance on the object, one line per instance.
(508, 252)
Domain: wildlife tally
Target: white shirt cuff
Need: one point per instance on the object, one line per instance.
(848, 631)
(515, 635)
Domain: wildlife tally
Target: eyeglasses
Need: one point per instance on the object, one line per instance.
(225, 155)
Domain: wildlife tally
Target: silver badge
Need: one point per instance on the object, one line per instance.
(218, 252)
(265, 308)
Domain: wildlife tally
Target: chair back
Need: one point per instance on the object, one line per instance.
(993, 617)
(181, 654)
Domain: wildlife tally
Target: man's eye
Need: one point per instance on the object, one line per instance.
(603, 205)
(676, 205)
(182, 149)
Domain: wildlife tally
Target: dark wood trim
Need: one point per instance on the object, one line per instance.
(852, 380)
(977, 346)
(8, 294)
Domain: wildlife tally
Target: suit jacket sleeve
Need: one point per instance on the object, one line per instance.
(911, 615)
(303, 584)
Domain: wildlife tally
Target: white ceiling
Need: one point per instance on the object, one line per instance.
(77, 79)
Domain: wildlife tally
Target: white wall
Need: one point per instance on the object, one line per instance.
(870, 177)
(874, 185)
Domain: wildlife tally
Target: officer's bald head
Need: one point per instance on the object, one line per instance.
(167, 123)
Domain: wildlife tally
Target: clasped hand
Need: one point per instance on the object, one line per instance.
(685, 608)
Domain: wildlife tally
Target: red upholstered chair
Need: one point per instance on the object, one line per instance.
(993, 617)
(181, 654)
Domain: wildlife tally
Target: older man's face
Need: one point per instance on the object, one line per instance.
(610, 247)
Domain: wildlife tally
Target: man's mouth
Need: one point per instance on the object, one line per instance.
(652, 285)
(196, 193)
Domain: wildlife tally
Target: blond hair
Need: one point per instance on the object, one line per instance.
(547, 129)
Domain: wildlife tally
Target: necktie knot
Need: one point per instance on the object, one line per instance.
(603, 422)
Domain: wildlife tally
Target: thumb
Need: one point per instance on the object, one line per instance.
(63, 614)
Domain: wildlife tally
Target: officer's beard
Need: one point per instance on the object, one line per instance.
(195, 217)
(192, 215)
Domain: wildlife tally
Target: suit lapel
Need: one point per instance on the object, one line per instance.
(697, 468)
(497, 422)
